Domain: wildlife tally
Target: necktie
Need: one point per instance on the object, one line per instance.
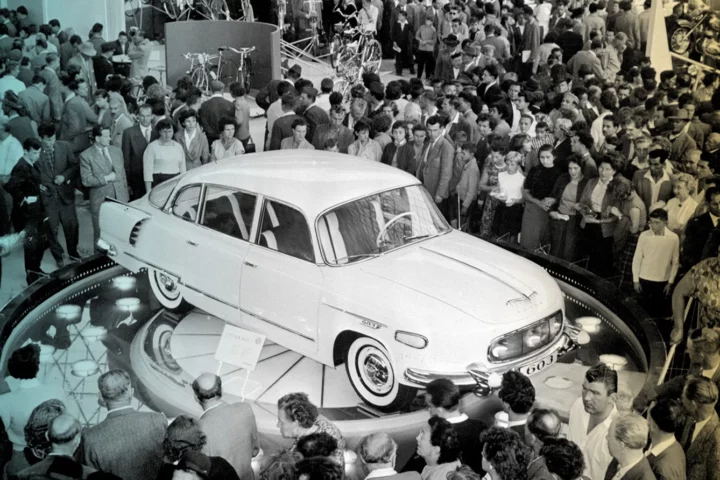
(147, 135)
(50, 159)
(687, 435)
(106, 154)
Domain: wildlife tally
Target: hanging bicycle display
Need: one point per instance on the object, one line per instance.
(204, 68)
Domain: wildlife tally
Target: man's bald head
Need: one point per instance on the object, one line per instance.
(63, 429)
(543, 423)
(207, 387)
(713, 141)
(377, 448)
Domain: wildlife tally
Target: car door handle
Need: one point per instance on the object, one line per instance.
(191, 243)
(252, 265)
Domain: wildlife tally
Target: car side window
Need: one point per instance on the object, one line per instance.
(284, 229)
(229, 211)
(187, 202)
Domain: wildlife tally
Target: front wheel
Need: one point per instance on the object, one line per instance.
(372, 57)
(373, 377)
(680, 40)
(335, 45)
(167, 291)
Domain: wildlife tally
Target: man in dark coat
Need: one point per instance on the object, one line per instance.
(314, 115)
(698, 229)
(282, 128)
(127, 443)
(103, 65)
(213, 110)
(402, 43)
(134, 142)
(400, 153)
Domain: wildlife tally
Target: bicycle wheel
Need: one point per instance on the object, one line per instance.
(372, 57)
(132, 8)
(347, 61)
(228, 72)
(199, 79)
(343, 86)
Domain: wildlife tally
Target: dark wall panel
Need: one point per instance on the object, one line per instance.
(207, 36)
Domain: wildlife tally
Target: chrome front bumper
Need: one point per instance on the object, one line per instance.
(477, 374)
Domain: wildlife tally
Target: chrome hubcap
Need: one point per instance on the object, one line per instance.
(167, 283)
(376, 371)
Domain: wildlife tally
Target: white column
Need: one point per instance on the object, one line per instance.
(657, 44)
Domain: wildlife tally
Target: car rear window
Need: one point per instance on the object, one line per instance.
(159, 195)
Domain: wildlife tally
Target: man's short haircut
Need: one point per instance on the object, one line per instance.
(443, 393)
(63, 429)
(114, 385)
(632, 430)
(668, 414)
(381, 123)
(318, 468)
(298, 122)
(24, 363)
(517, 391)
(208, 394)
(502, 108)
(506, 451)
(563, 458)
(434, 120)
(659, 214)
(701, 390)
(31, 143)
(492, 69)
(282, 87)
(75, 40)
(361, 126)
(319, 444)
(604, 374)
(444, 435)
(711, 192)
(419, 127)
(544, 423)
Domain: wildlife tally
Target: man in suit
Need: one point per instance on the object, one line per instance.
(84, 60)
(120, 123)
(517, 395)
(298, 140)
(443, 62)
(282, 128)
(134, 142)
(314, 115)
(335, 129)
(698, 229)
(378, 451)
(700, 436)
(588, 58)
(77, 117)
(626, 440)
(435, 168)
(450, 107)
(139, 54)
(68, 50)
(543, 425)
(489, 90)
(58, 173)
(532, 37)
(644, 179)
(103, 172)
(64, 435)
(230, 428)
(37, 103)
(492, 37)
(122, 45)
(665, 454)
(52, 86)
(214, 109)
(102, 63)
(127, 443)
(403, 35)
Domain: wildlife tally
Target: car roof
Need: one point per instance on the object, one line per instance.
(311, 180)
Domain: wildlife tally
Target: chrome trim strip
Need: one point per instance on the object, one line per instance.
(211, 297)
(380, 324)
(276, 324)
(157, 267)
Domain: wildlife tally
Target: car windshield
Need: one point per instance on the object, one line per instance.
(379, 223)
(160, 194)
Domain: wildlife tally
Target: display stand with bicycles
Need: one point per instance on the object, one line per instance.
(205, 68)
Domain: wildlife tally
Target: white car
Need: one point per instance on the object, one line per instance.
(344, 261)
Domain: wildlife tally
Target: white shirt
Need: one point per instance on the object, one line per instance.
(714, 219)
(656, 257)
(512, 184)
(189, 138)
(368, 17)
(381, 472)
(622, 471)
(660, 447)
(699, 426)
(593, 444)
(323, 101)
(11, 151)
(147, 132)
(596, 129)
(459, 419)
(710, 373)
(597, 195)
(9, 82)
(656, 185)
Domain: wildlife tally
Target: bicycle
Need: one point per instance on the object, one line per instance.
(200, 69)
(358, 50)
(243, 70)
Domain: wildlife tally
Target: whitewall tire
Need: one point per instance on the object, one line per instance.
(373, 376)
(166, 290)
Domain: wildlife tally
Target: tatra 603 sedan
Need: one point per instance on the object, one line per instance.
(344, 261)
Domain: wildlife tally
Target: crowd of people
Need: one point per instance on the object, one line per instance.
(605, 438)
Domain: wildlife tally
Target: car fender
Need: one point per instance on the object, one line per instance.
(120, 224)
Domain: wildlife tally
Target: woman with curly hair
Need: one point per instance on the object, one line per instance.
(298, 418)
(681, 207)
(439, 445)
(281, 466)
(184, 435)
(38, 445)
(505, 456)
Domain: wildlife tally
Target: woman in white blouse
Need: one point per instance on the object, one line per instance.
(439, 445)
(164, 158)
(227, 145)
(682, 206)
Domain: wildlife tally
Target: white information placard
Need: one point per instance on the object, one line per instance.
(239, 347)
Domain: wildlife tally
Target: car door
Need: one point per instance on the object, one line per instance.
(281, 283)
(216, 251)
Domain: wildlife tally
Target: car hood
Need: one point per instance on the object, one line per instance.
(471, 276)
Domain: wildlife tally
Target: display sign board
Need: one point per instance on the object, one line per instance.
(239, 347)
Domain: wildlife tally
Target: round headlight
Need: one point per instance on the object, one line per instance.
(499, 351)
(532, 341)
(556, 324)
